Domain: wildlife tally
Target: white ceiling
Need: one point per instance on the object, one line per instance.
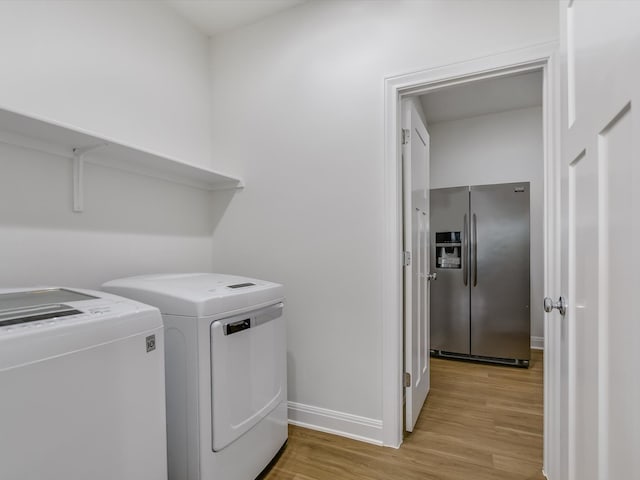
(483, 97)
(215, 16)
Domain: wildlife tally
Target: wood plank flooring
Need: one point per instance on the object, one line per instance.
(480, 422)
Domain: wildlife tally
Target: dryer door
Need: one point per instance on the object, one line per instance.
(248, 370)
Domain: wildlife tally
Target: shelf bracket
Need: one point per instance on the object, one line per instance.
(78, 174)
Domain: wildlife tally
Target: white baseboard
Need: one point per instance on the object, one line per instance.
(345, 424)
(537, 343)
(337, 423)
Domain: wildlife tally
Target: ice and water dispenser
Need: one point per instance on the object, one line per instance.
(448, 250)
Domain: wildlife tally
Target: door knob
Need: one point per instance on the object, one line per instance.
(561, 305)
(431, 276)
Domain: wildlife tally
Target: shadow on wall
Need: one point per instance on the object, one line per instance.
(36, 191)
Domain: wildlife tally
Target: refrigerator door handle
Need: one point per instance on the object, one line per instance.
(465, 251)
(474, 243)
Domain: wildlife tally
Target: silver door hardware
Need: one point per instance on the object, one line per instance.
(407, 379)
(465, 250)
(406, 135)
(406, 258)
(561, 305)
(474, 247)
(431, 276)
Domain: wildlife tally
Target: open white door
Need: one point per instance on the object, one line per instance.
(416, 274)
(601, 239)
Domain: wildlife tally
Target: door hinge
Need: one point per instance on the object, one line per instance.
(406, 136)
(407, 379)
(406, 258)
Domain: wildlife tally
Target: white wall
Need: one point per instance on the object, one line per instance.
(299, 116)
(133, 71)
(498, 148)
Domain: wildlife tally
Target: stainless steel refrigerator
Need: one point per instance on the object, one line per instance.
(480, 251)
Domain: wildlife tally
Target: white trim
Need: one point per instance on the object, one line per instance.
(552, 266)
(534, 57)
(537, 343)
(337, 423)
(391, 285)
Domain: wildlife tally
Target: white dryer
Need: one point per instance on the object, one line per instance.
(81, 387)
(225, 371)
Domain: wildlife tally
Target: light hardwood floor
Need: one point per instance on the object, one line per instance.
(480, 422)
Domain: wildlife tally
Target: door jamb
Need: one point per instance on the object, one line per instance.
(542, 56)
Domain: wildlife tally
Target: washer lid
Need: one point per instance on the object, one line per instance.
(41, 323)
(197, 294)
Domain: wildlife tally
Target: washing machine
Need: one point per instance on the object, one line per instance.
(81, 387)
(225, 350)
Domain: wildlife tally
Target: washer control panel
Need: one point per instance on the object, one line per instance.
(22, 311)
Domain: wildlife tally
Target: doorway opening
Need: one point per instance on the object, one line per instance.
(484, 246)
(486, 168)
(458, 101)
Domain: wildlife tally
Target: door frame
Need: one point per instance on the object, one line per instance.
(537, 57)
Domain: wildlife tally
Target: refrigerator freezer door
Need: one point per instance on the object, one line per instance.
(500, 314)
(450, 260)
